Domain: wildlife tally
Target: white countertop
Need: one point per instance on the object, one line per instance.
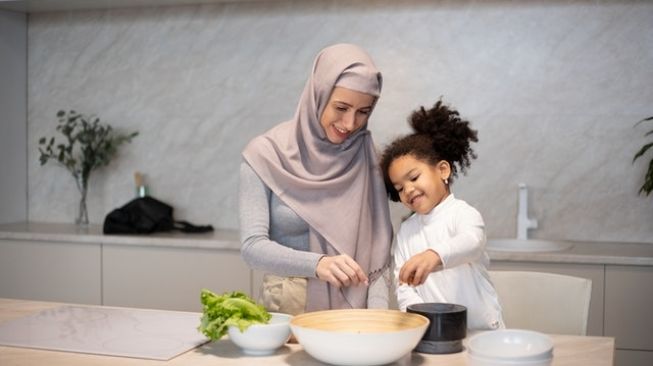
(634, 254)
(568, 351)
(92, 234)
(102, 330)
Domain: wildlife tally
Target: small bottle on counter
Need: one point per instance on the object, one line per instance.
(141, 189)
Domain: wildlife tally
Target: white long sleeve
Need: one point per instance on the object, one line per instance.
(455, 230)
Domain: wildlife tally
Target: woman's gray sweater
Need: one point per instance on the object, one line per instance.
(275, 239)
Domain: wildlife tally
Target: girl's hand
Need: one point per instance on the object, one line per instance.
(340, 271)
(415, 271)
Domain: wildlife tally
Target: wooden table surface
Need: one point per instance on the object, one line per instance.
(568, 351)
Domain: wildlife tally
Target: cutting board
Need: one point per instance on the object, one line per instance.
(126, 332)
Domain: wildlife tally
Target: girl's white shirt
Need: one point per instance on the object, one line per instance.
(456, 231)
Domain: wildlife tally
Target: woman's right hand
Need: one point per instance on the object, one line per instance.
(340, 271)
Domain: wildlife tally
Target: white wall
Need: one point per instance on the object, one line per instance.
(553, 87)
(13, 117)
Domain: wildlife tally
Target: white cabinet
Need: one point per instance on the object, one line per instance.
(593, 272)
(633, 358)
(169, 277)
(628, 307)
(50, 271)
(165, 272)
(622, 301)
(257, 283)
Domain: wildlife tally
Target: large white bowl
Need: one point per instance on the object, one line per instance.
(262, 339)
(510, 347)
(358, 336)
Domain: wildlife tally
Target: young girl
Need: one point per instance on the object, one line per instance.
(440, 252)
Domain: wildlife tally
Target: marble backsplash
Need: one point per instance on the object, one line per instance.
(554, 89)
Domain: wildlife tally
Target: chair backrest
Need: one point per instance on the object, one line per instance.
(545, 302)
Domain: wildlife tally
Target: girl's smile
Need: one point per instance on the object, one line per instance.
(421, 186)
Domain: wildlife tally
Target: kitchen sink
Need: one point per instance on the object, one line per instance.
(528, 245)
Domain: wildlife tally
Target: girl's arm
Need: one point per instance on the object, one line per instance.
(469, 242)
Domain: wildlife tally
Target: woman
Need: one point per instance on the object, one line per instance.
(313, 209)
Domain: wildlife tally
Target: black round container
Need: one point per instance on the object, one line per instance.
(447, 329)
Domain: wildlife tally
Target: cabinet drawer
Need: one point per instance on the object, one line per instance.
(633, 358)
(628, 306)
(50, 271)
(169, 278)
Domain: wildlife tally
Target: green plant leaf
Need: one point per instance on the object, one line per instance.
(642, 151)
(86, 146)
(647, 187)
(644, 120)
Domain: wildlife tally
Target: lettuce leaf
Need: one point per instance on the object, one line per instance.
(231, 308)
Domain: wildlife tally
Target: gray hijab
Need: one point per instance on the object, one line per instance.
(336, 188)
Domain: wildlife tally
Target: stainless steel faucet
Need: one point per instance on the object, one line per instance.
(523, 222)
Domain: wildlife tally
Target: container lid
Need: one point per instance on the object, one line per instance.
(511, 345)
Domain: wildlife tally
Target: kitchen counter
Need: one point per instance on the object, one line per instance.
(66, 263)
(631, 254)
(569, 350)
(635, 254)
(92, 234)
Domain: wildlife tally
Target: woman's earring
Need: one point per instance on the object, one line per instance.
(446, 181)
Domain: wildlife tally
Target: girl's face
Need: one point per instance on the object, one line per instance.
(420, 185)
(346, 112)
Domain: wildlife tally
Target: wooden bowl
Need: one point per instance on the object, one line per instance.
(358, 336)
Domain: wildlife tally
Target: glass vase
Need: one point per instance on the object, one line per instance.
(82, 211)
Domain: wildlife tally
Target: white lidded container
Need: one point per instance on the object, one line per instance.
(508, 347)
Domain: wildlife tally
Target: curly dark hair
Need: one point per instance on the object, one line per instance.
(440, 134)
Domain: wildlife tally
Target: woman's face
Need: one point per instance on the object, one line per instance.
(346, 112)
(420, 185)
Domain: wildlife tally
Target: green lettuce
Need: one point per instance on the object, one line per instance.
(231, 308)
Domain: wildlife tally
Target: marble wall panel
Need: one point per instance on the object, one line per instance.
(553, 87)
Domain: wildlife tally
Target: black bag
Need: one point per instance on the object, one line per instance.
(146, 215)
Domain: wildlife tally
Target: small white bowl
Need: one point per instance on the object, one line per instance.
(510, 347)
(262, 339)
(358, 336)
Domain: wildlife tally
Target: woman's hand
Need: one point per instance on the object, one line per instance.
(340, 271)
(415, 271)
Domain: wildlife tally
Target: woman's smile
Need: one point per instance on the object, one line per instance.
(346, 112)
(342, 133)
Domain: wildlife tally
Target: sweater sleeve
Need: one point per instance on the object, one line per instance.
(406, 295)
(468, 243)
(258, 250)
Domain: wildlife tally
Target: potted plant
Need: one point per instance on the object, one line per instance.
(88, 145)
(647, 187)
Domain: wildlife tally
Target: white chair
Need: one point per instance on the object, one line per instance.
(544, 302)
